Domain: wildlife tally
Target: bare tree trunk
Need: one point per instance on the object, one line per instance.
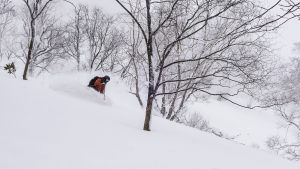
(163, 99)
(137, 90)
(77, 43)
(151, 91)
(140, 100)
(78, 64)
(148, 111)
(172, 107)
(30, 48)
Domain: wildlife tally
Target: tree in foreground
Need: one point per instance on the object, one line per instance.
(212, 47)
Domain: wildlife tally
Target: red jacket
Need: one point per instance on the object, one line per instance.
(99, 85)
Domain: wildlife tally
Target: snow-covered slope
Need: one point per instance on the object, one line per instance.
(59, 123)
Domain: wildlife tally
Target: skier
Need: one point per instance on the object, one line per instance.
(98, 83)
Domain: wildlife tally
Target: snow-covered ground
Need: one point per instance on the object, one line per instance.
(251, 127)
(56, 122)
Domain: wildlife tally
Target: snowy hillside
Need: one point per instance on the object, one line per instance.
(59, 123)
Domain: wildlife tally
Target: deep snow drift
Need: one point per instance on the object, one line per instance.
(59, 123)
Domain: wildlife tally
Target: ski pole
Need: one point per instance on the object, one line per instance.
(104, 93)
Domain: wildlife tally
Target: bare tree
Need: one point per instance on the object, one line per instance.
(104, 38)
(288, 144)
(235, 64)
(43, 40)
(133, 65)
(6, 15)
(75, 34)
(34, 8)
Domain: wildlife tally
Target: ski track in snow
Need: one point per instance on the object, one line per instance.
(82, 92)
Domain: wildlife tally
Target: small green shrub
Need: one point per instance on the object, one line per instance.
(10, 68)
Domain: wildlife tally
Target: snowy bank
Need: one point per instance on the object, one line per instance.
(59, 123)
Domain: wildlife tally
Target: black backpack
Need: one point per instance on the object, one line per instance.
(92, 82)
